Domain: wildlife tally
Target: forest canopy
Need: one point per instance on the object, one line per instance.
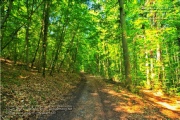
(135, 42)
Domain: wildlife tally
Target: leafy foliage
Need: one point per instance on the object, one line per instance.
(86, 36)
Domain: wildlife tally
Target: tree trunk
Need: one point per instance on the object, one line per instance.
(124, 43)
(147, 71)
(60, 42)
(27, 35)
(8, 13)
(11, 36)
(59, 45)
(45, 33)
(152, 74)
(68, 50)
(15, 50)
(38, 45)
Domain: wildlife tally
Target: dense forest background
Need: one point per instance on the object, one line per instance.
(135, 42)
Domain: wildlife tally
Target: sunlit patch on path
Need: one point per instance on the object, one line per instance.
(125, 105)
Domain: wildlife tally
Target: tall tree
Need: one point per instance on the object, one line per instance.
(45, 34)
(124, 43)
(28, 18)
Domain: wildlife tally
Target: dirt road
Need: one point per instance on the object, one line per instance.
(101, 101)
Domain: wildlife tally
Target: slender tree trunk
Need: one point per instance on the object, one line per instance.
(27, 47)
(73, 60)
(147, 70)
(152, 74)
(27, 35)
(8, 13)
(59, 44)
(105, 70)
(159, 62)
(74, 54)
(135, 60)
(29, 17)
(12, 37)
(120, 63)
(124, 43)
(38, 45)
(67, 51)
(15, 50)
(1, 16)
(2, 24)
(98, 62)
(45, 33)
(106, 60)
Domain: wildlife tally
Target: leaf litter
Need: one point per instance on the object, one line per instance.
(24, 93)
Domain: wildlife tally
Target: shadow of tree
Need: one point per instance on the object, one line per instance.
(125, 105)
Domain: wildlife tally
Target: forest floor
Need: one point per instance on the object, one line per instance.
(27, 95)
(69, 96)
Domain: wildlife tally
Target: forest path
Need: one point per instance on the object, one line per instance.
(105, 101)
(89, 106)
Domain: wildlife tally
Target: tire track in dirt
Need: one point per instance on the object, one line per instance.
(89, 106)
(70, 100)
(86, 103)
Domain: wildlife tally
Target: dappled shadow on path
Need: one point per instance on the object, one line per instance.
(125, 105)
(100, 100)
